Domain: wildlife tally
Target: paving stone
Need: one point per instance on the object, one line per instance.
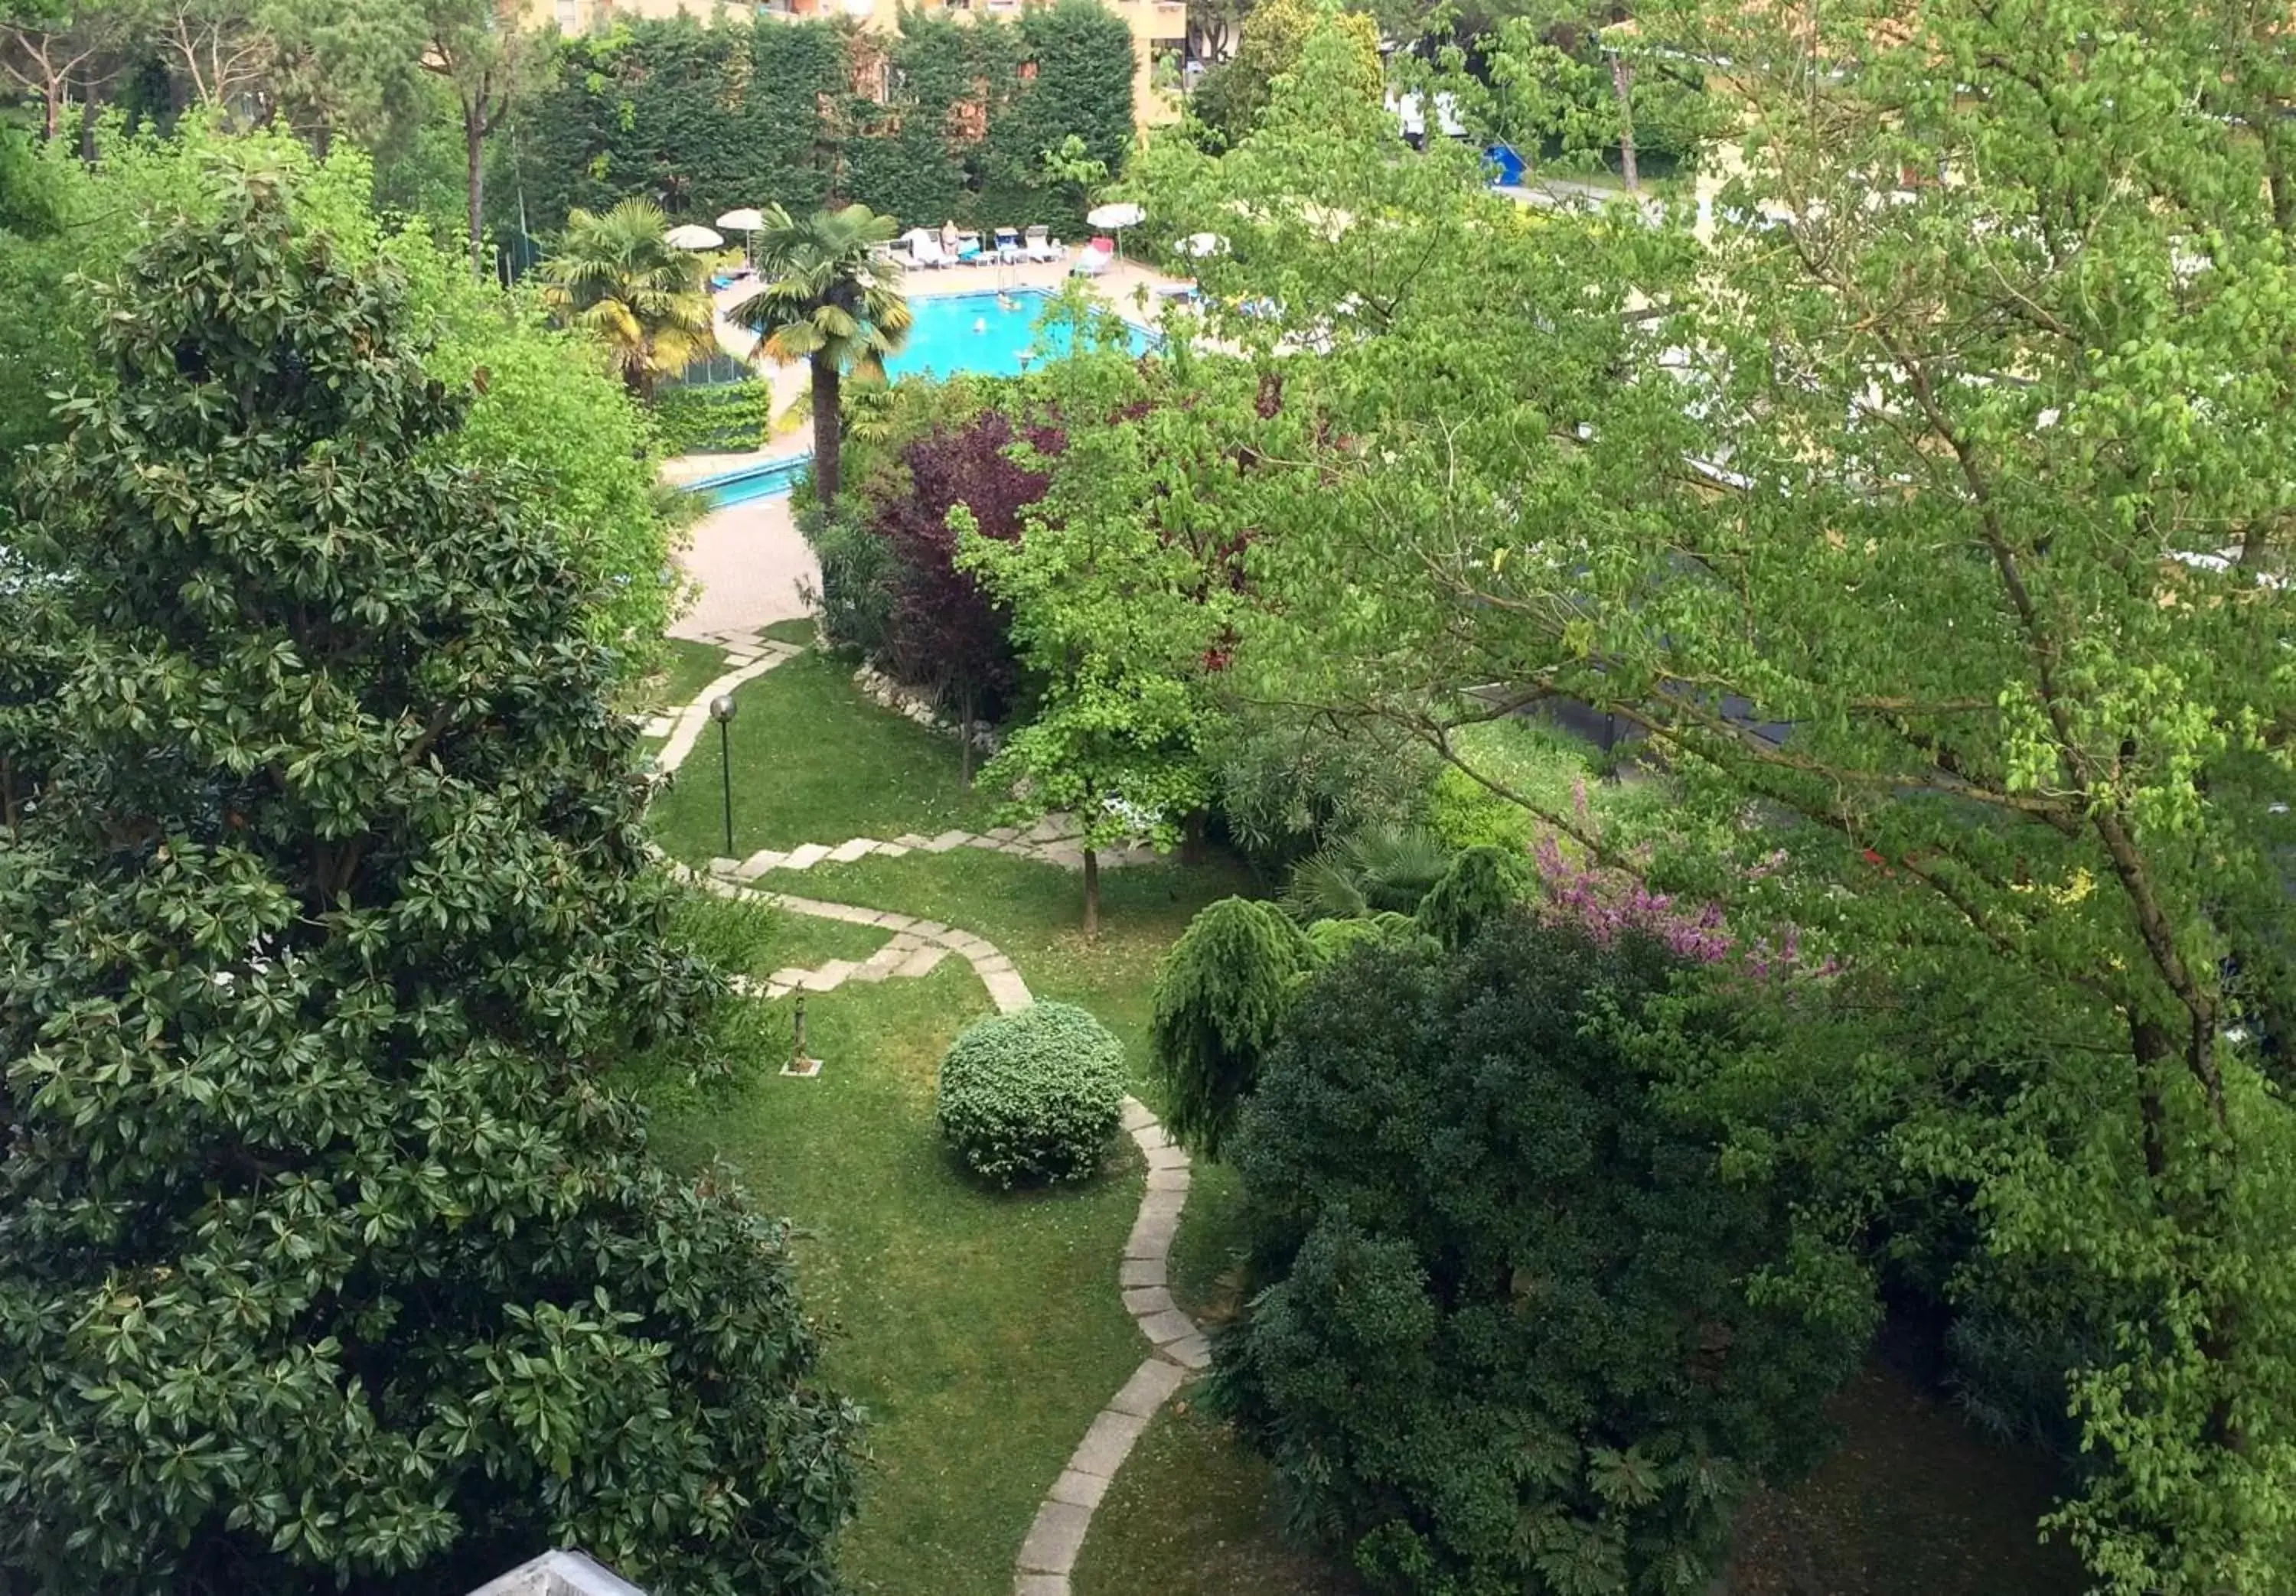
(1168, 1180)
(896, 923)
(1083, 1490)
(1136, 1114)
(1151, 1236)
(1171, 1325)
(990, 843)
(1149, 1136)
(850, 914)
(1107, 1444)
(1167, 1157)
(873, 972)
(1141, 1272)
(948, 840)
(970, 946)
(1044, 831)
(1041, 1585)
(1066, 854)
(1144, 1300)
(757, 864)
(775, 990)
(929, 927)
(852, 848)
(724, 867)
(805, 856)
(1151, 1386)
(921, 962)
(1007, 991)
(789, 976)
(992, 964)
(910, 839)
(660, 726)
(894, 850)
(1163, 1203)
(1190, 1352)
(1055, 1538)
(1002, 833)
(903, 941)
(830, 977)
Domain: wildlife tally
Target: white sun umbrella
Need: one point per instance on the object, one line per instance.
(1199, 244)
(746, 220)
(1116, 218)
(692, 235)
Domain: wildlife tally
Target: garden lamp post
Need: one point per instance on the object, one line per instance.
(721, 710)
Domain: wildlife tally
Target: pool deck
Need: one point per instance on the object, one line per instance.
(749, 559)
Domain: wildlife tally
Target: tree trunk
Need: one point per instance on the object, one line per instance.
(964, 739)
(1191, 837)
(1091, 894)
(1622, 84)
(474, 146)
(90, 104)
(52, 120)
(828, 432)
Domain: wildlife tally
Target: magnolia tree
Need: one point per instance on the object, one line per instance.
(1934, 531)
(328, 1254)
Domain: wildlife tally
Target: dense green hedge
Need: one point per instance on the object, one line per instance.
(703, 119)
(1032, 1096)
(726, 416)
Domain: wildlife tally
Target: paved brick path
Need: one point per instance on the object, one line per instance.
(915, 947)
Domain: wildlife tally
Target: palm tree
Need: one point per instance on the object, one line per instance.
(646, 301)
(829, 302)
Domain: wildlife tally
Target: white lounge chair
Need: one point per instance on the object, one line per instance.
(928, 251)
(1040, 246)
(1092, 259)
(1008, 246)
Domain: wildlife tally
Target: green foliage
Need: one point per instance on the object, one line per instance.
(826, 298)
(547, 403)
(1220, 998)
(1482, 884)
(1332, 940)
(1990, 548)
(1380, 870)
(1032, 1096)
(646, 301)
(1274, 39)
(1502, 1338)
(1119, 601)
(701, 119)
(1288, 784)
(722, 417)
(336, 906)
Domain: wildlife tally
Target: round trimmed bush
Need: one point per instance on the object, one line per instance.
(1032, 1096)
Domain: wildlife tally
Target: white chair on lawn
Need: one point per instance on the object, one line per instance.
(1040, 246)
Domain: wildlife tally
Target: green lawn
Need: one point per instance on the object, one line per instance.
(687, 668)
(982, 1331)
(814, 761)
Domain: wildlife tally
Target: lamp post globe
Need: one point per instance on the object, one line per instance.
(721, 710)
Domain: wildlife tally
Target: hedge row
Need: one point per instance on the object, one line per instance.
(704, 119)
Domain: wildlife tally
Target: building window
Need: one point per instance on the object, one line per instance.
(569, 16)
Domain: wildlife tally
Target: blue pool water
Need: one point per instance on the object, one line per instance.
(948, 334)
(974, 332)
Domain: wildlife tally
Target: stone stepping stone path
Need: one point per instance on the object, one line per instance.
(684, 728)
(1055, 839)
(915, 947)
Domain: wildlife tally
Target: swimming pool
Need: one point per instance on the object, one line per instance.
(750, 482)
(949, 333)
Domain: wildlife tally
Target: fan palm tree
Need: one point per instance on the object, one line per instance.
(827, 301)
(646, 301)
